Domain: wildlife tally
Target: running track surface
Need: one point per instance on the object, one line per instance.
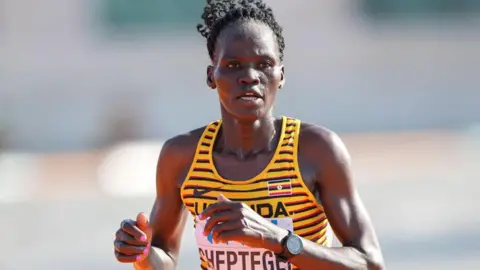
(60, 211)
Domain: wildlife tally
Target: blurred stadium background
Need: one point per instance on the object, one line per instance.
(89, 89)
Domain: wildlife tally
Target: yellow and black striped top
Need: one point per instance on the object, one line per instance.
(278, 194)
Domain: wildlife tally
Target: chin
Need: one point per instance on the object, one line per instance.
(248, 115)
(245, 113)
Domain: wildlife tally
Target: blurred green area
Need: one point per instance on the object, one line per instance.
(406, 9)
(176, 15)
(151, 15)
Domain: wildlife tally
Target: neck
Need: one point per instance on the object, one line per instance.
(246, 138)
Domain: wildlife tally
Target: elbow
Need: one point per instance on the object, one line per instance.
(372, 260)
(375, 263)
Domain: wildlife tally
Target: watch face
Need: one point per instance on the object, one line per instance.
(294, 244)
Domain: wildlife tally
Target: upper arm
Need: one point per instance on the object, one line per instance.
(342, 203)
(168, 216)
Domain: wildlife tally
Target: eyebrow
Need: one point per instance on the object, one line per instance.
(256, 57)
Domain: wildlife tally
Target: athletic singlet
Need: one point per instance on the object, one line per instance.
(278, 194)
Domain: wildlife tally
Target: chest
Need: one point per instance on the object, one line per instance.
(259, 166)
(272, 186)
(230, 167)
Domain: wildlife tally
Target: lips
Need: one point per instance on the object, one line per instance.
(250, 95)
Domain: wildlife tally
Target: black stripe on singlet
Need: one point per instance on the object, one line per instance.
(310, 224)
(294, 194)
(283, 177)
(290, 131)
(318, 238)
(312, 215)
(287, 144)
(313, 232)
(282, 169)
(291, 124)
(285, 152)
(284, 160)
(298, 202)
(193, 186)
(304, 209)
(207, 179)
(279, 181)
(207, 170)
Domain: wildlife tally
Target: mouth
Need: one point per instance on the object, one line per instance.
(250, 95)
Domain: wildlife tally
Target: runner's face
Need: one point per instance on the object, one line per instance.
(246, 70)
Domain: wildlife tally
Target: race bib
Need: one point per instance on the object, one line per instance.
(236, 256)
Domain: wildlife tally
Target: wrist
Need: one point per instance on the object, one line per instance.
(142, 264)
(292, 246)
(275, 244)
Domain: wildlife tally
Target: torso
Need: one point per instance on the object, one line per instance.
(280, 187)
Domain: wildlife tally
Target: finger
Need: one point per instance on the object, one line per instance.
(219, 217)
(128, 239)
(118, 233)
(142, 221)
(129, 226)
(216, 207)
(127, 258)
(224, 227)
(128, 249)
(222, 198)
(242, 235)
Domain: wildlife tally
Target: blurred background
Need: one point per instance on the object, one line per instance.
(89, 90)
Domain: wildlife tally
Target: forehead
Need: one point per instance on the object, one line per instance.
(246, 38)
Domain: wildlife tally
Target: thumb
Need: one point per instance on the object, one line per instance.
(222, 198)
(142, 221)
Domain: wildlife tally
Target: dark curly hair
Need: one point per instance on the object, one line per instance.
(218, 14)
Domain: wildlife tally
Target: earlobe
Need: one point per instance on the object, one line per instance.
(210, 81)
(282, 78)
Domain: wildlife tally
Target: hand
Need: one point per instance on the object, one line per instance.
(132, 240)
(235, 221)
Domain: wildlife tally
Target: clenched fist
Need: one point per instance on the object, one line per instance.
(132, 240)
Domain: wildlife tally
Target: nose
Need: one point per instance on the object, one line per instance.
(249, 77)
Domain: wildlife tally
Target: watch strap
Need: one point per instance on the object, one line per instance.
(285, 255)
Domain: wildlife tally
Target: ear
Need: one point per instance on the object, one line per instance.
(282, 77)
(210, 80)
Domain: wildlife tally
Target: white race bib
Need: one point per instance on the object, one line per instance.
(236, 256)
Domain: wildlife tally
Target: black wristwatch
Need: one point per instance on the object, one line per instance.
(292, 246)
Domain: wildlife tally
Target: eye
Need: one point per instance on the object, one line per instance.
(265, 64)
(234, 64)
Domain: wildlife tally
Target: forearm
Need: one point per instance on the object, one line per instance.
(315, 256)
(157, 259)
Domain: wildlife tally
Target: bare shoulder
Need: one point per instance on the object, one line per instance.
(176, 156)
(183, 145)
(322, 143)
